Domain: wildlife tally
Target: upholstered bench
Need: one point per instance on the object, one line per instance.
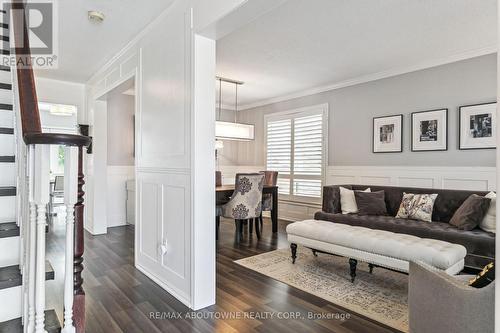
(376, 247)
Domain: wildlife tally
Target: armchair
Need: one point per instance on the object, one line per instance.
(439, 302)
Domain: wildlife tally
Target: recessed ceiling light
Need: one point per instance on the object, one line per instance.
(95, 16)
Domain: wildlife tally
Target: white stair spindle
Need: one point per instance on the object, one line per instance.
(70, 198)
(30, 327)
(41, 198)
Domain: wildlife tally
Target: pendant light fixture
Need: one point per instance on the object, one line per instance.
(226, 130)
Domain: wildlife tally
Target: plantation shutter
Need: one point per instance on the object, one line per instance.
(295, 144)
(279, 151)
(308, 156)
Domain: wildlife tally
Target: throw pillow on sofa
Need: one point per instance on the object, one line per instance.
(371, 203)
(470, 214)
(348, 201)
(417, 206)
(489, 222)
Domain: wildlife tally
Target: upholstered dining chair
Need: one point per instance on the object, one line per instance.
(218, 178)
(246, 202)
(270, 179)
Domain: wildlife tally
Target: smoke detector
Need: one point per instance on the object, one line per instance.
(95, 16)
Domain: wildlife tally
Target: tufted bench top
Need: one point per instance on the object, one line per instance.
(439, 254)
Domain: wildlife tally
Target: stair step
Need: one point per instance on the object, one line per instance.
(4, 68)
(5, 52)
(7, 191)
(7, 159)
(8, 107)
(4, 26)
(9, 229)
(6, 130)
(10, 276)
(6, 86)
(4, 38)
(52, 324)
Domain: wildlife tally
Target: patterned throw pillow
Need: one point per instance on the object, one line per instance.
(417, 206)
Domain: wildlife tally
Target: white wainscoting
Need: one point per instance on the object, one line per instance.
(463, 178)
(456, 178)
(117, 194)
(162, 236)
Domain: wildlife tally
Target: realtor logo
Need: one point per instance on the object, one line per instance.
(33, 34)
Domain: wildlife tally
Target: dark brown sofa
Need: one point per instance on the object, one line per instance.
(480, 244)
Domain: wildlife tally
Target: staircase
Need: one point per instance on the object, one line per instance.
(11, 279)
(24, 195)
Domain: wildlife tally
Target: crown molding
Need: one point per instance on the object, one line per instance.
(375, 76)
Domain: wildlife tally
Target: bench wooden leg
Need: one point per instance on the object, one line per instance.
(314, 252)
(293, 247)
(371, 268)
(352, 265)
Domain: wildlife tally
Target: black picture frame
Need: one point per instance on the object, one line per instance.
(400, 137)
(460, 110)
(413, 114)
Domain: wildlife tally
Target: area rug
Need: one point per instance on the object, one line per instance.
(381, 296)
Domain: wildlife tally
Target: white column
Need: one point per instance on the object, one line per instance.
(70, 197)
(41, 182)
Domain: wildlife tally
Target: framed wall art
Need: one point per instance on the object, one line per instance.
(388, 134)
(429, 130)
(477, 126)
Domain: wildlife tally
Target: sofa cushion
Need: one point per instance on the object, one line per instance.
(371, 203)
(477, 241)
(471, 213)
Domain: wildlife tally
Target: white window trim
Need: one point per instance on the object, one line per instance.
(313, 109)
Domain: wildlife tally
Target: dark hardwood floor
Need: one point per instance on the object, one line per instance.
(122, 299)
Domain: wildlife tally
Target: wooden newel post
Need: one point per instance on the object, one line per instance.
(79, 301)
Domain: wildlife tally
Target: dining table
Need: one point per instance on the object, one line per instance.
(224, 192)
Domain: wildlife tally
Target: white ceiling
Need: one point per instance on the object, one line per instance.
(84, 47)
(305, 44)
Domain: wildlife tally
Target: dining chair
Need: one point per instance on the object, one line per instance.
(246, 202)
(56, 191)
(218, 178)
(270, 179)
(218, 205)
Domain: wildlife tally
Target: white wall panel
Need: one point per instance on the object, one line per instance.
(162, 59)
(465, 178)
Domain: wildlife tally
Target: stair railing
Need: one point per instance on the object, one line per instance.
(33, 190)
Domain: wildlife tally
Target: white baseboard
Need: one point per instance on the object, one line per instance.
(180, 296)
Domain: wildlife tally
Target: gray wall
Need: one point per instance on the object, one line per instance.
(352, 109)
(120, 129)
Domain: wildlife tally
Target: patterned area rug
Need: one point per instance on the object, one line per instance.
(381, 296)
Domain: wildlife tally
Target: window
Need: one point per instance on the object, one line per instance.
(296, 148)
